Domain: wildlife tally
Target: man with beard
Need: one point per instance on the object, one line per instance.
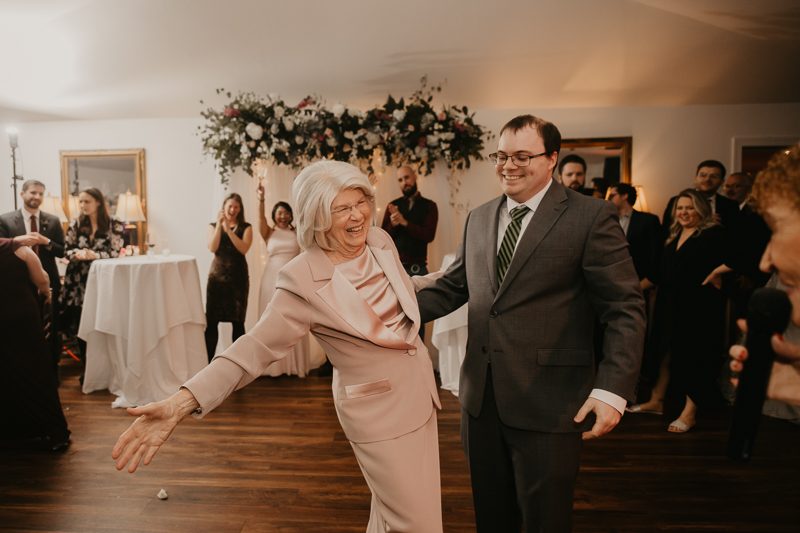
(43, 233)
(411, 221)
(572, 173)
(709, 178)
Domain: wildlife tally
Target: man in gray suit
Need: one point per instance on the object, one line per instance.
(537, 265)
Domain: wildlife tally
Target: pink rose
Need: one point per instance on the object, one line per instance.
(442, 116)
(328, 131)
(459, 127)
(230, 112)
(422, 141)
(346, 148)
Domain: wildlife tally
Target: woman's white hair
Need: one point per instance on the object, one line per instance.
(314, 191)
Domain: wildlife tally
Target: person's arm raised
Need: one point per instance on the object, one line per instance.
(151, 429)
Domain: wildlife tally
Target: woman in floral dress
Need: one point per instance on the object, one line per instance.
(94, 235)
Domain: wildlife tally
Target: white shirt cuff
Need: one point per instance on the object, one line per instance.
(617, 402)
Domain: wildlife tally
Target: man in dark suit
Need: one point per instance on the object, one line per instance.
(536, 265)
(709, 178)
(43, 233)
(411, 221)
(642, 231)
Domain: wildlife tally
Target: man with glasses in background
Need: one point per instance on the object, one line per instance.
(536, 265)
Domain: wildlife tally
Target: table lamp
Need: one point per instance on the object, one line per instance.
(52, 205)
(129, 209)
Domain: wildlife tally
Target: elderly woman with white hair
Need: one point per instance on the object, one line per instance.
(350, 291)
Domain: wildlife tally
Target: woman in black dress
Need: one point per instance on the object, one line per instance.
(689, 318)
(31, 415)
(94, 235)
(228, 238)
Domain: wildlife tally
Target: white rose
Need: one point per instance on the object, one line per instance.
(373, 138)
(274, 129)
(399, 115)
(421, 152)
(288, 123)
(361, 132)
(449, 136)
(299, 139)
(245, 151)
(354, 113)
(348, 135)
(254, 131)
(278, 111)
(331, 141)
(433, 140)
(338, 110)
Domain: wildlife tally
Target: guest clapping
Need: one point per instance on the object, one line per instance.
(351, 292)
(31, 415)
(282, 247)
(689, 317)
(777, 195)
(94, 235)
(228, 238)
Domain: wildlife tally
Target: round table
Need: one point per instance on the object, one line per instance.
(143, 322)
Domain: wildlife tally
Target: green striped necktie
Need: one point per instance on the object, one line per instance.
(510, 241)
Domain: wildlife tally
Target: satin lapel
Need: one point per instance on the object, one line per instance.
(388, 264)
(344, 300)
(491, 238)
(553, 204)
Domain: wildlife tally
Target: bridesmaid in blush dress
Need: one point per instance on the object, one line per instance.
(282, 247)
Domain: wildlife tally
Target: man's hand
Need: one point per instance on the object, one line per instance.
(607, 418)
(40, 239)
(396, 218)
(784, 382)
(29, 239)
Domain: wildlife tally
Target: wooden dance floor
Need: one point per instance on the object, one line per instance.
(273, 458)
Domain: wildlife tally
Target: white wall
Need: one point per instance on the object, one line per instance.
(668, 142)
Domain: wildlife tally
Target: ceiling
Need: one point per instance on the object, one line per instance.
(107, 59)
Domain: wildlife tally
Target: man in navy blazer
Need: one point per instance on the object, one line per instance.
(45, 236)
(709, 178)
(642, 231)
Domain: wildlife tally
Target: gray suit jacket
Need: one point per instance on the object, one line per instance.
(571, 264)
(12, 225)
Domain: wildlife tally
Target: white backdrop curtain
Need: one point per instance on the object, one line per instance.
(278, 186)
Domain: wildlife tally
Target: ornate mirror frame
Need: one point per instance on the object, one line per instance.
(622, 144)
(136, 184)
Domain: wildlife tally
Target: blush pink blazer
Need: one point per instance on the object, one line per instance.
(383, 385)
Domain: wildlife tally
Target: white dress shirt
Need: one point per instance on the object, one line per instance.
(615, 401)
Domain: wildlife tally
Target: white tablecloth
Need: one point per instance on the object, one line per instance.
(143, 321)
(450, 338)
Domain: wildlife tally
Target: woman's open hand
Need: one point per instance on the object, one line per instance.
(151, 429)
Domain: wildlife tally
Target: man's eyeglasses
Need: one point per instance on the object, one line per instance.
(344, 210)
(518, 160)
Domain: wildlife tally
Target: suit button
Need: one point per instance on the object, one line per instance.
(493, 314)
(483, 349)
(412, 351)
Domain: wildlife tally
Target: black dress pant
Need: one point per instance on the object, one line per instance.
(519, 476)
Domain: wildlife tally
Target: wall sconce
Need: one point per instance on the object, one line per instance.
(641, 200)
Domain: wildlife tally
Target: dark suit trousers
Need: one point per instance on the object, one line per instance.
(518, 476)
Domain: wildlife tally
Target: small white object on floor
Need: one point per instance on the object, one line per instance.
(162, 495)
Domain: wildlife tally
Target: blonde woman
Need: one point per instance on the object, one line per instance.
(349, 289)
(689, 317)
